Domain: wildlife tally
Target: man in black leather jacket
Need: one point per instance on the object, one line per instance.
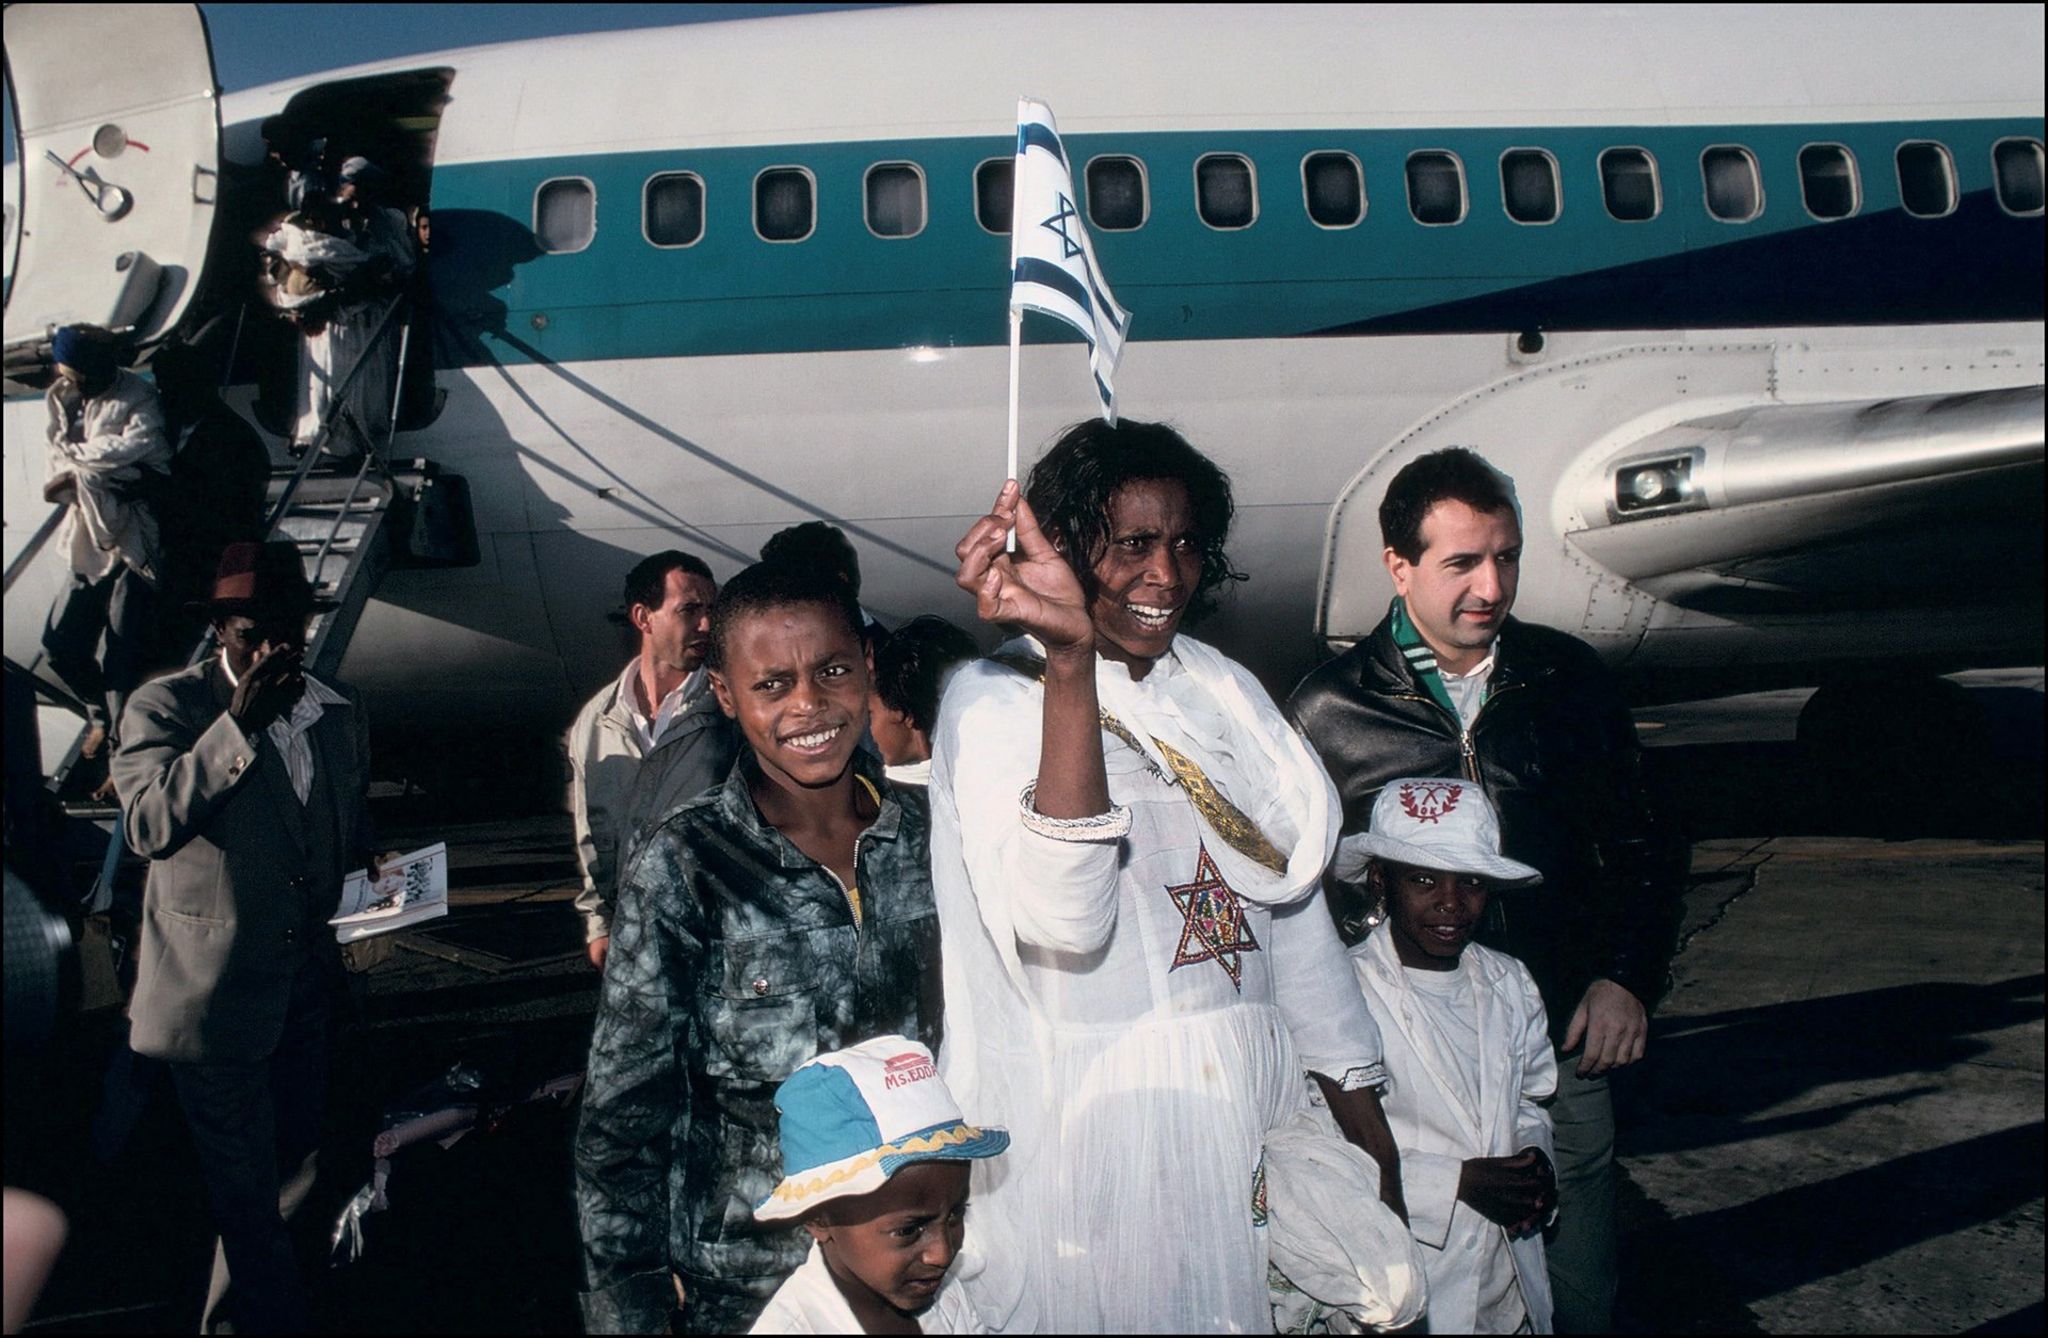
(1450, 685)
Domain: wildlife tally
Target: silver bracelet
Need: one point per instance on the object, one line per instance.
(1369, 1075)
(1111, 826)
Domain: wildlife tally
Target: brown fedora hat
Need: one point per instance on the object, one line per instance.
(259, 578)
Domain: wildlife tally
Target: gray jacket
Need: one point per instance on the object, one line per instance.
(610, 804)
(242, 876)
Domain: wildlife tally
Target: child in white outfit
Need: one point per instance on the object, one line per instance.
(1467, 1052)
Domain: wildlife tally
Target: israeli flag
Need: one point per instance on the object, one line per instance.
(1052, 263)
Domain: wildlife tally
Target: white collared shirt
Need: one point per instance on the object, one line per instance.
(810, 1302)
(288, 731)
(673, 705)
(910, 773)
(1468, 690)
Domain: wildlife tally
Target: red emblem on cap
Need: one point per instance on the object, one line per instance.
(1428, 803)
(905, 1069)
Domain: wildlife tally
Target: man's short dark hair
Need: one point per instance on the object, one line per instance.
(1454, 474)
(777, 585)
(911, 663)
(1071, 486)
(647, 583)
(814, 543)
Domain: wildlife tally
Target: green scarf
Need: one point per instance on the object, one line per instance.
(1421, 659)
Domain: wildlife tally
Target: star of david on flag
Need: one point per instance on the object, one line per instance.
(1053, 269)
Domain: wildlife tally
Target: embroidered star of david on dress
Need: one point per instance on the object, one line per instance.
(1216, 930)
(1057, 225)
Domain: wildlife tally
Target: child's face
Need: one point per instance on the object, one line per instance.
(796, 680)
(898, 739)
(895, 1244)
(1431, 912)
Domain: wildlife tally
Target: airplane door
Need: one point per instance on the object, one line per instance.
(117, 131)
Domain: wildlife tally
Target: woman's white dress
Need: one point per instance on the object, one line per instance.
(1137, 1011)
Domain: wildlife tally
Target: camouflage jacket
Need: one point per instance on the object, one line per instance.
(734, 959)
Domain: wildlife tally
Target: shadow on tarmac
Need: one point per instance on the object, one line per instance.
(1914, 783)
(1669, 1280)
(1787, 1049)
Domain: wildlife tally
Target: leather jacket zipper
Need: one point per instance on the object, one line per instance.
(1468, 756)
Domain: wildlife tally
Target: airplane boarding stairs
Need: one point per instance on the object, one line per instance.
(338, 519)
(347, 519)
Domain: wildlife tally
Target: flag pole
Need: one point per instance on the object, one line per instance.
(1016, 312)
(1010, 461)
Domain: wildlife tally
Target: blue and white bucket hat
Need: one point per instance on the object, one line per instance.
(852, 1118)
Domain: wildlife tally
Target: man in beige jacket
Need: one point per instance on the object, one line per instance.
(656, 714)
(243, 781)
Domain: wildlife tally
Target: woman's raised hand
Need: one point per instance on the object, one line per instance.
(1033, 588)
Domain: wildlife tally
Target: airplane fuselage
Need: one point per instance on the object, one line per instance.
(1758, 230)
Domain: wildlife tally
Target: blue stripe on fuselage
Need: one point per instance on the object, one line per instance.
(846, 288)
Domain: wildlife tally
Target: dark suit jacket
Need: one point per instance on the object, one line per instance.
(242, 875)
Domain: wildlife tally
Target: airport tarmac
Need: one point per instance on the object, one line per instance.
(1838, 1127)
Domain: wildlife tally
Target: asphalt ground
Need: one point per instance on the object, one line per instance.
(1838, 1127)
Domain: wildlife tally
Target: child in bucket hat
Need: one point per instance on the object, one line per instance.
(874, 1161)
(1468, 1053)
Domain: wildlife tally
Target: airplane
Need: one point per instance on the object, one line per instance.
(1746, 299)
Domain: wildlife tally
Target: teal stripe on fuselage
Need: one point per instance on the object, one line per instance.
(844, 288)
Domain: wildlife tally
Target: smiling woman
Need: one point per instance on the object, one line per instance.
(1107, 968)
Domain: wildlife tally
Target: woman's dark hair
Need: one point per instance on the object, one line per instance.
(776, 585)
(912, 661)
(1071, 486)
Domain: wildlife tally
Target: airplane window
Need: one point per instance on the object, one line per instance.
(1827, 180)
(1226, 195)
(895, 202)
(672, 209)
(1334, 186)
(1529, 186)
(1116, 194)
(1628, 183)
(784, 210)
(2017, 163)
(1735, 188)
(564, 214)
(1436, 187)
(993, 182)
(1927, 179)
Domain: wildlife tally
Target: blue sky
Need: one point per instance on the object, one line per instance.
(261, 44)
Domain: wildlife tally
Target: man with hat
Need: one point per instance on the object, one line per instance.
(109, 455)
(243, 781)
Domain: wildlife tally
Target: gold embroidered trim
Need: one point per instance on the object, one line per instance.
(792, 1191)
(1226, 819)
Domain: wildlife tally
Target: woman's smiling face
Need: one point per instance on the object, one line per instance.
(1147, 572)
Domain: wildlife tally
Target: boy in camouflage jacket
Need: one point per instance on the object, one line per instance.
(787, 912)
